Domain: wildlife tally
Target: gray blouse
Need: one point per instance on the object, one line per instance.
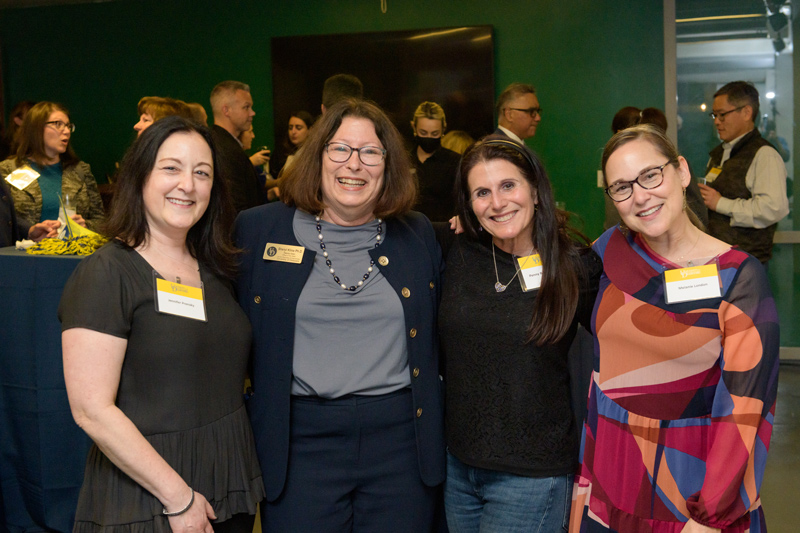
(347, 342)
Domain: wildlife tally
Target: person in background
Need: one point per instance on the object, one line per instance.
(340, 281)
(435, 166)
(631, 116)
(518, 112)
(339, 87)
(512, 436)
(457, 140)
(745, 183)
(198, 112)
(46, 169)
(11, 135)
(300, 123)
(158, 386)
(13, 229)
(260, 159)
(232, 105)
(685, 372)
(152, 108)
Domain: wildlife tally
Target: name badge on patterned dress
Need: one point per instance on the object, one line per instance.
(692, 283)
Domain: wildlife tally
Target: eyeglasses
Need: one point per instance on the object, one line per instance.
(61, 126)
(649, 179)
(369, 155)
(532, 111)
(721, 116)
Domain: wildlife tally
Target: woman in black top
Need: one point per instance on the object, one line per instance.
(515, 288)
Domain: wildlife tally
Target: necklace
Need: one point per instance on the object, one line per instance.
(690, 250)
(177, 278)
(351, 288)
(499, 287)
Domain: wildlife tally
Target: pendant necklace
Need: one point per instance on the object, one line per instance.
(178, 278)
(351, 288)
(499, 287)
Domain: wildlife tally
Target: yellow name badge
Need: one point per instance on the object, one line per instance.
(692, 283)
(22, 177)
(284, 253)
(180, 300)
(712, 175)
(530, 268)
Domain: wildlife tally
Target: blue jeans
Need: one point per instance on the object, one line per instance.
(477, 500)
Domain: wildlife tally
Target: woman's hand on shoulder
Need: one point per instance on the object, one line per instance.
(455, 225)
(196, 520)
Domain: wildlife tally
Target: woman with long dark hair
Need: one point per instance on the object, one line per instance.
(518, 282)
(156, 348)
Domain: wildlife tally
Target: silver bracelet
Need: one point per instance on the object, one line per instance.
(176, 513)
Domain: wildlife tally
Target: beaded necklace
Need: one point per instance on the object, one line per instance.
(351, 288)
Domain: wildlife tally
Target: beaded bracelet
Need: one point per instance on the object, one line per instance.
(176, 513)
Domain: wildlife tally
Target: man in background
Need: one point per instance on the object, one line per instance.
(745, 183)
(232, 106)
(338, 87)
(518, 112)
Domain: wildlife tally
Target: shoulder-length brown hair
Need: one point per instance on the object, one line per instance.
(31, 136)
(210, 239)
(554, 239)
(302, 183)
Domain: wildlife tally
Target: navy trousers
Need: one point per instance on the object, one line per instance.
(353, 467)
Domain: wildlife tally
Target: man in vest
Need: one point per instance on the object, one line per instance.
(745, 183)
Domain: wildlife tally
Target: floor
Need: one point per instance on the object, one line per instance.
(781, 485)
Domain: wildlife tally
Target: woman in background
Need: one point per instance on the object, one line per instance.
(45, 149)
(8, 146)
(684, 384)
(152, 108)
(156, 385)
(299, 126)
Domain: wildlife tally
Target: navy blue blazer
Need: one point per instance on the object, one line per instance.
(409, 258)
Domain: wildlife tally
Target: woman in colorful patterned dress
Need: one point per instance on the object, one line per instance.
(686, 372)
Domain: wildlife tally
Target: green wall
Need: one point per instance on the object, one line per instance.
(587, 59)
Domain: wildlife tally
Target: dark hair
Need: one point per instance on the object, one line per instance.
(659, 140)
(741, 93)
(308, 120)
(31, 136)
(302, 182)
(339, 87)
(553, 237)
(209, 240)
(631, 116)
(513, 91)
(12, 129)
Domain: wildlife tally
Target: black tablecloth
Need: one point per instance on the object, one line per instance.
(42, 450)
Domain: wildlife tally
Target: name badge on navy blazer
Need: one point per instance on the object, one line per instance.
(284, 253)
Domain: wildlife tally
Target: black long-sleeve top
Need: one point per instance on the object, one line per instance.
(507, 403)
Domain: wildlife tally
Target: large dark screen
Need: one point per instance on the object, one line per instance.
(399, 69)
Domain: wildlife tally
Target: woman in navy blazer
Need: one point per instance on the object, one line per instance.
(340, 281)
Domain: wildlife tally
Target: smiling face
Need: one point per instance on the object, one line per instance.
(298, 131)
(651, 212)
(55, 140)
(350, 190)
(145, 121)
(178, 189)
(504, 203)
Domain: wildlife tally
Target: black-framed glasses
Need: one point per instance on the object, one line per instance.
(341, 152)
(721, 116)
(649, 179)
(61, 126)
(532, 111)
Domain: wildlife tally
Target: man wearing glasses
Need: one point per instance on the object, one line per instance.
(518, 112)
(745, 183)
